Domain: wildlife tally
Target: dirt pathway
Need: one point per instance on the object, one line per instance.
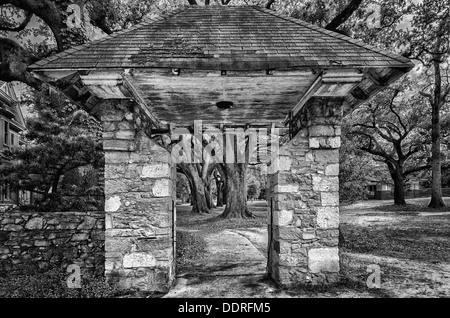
(232, 263)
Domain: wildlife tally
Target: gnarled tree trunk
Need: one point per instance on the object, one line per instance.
(236, 185)
(199, 203)
(220, 181)
(399, 184)
(436, 200)
(208, 194)
(219, 186)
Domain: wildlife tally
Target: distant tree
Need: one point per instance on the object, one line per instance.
(252, 191)
(395, 129)
(256, 181)
(220, 186)
(355, 171)
(183, 192)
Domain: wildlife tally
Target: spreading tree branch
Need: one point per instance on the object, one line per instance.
(416, 169)
(44, 9)
(344, 15)
(427, 95)
(22, 25)
(100, 22)
(15, 60)
(411, 151)
(370, 149)
(391, 107)
(269, 4)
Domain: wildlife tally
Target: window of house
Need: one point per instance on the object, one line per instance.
(5, 192)
(6, 134)
(14, 140)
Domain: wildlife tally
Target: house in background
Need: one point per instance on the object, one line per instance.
(383, 190)
(12, 123)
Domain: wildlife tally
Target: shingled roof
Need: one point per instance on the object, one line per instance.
(223, 38)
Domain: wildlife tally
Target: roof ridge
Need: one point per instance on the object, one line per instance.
(77, 48)
(349, 39)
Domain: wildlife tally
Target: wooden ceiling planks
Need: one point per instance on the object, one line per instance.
(188, 97)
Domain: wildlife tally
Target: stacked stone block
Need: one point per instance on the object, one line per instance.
(305, 200)
(139, 193)
(52, 239)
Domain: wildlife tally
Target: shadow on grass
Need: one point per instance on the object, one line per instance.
(194, 270)
(423, 238)
(409, 208)
(345, 285)
(217, 223)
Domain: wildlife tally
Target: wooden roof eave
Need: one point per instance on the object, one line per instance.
(355, 89)
(355, 85)
(87, 90)
(375, 81)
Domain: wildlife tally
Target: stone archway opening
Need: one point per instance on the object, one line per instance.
(228, 247)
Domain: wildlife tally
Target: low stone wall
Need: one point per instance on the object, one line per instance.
(52, 238)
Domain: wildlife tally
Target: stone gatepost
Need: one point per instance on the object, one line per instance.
(139, 202)
(304, 197)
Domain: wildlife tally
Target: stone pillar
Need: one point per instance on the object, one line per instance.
(305, 200)
(139, 193)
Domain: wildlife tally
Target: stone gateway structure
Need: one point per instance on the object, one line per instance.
(276, 73)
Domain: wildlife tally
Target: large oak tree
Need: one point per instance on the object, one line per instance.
(395, 129)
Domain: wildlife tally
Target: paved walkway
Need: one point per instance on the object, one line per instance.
(235, 259)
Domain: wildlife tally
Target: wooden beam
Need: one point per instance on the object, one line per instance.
(310, 92)
(102, 78)
(329, 83)
(338, 83)
(228, 73)
(141, 104)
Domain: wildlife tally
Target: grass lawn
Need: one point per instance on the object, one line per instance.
(419, 238)
(411, 244)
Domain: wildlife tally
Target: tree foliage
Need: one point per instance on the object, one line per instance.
(60, 138)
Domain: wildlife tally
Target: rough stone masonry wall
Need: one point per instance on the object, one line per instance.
(52, 238)
(305, 195)
(139, 194)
